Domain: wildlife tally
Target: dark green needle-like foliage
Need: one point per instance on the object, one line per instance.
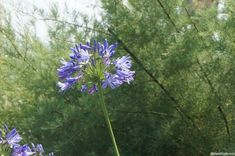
(182, 99)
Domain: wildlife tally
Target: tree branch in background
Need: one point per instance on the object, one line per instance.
(168, 15)
(213, 90)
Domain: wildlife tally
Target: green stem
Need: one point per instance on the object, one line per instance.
(104, 109)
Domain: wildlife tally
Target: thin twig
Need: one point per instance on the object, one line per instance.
(25, 59)
(146, 113)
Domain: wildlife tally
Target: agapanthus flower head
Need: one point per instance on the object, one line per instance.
(90, 66)
(11, 140)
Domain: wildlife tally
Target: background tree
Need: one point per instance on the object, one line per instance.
(181, 102)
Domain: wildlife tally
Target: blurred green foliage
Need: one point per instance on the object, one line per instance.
(184, 113)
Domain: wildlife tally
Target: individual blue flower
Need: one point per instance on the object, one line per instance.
(39, 149)
(22, 151)
(90, 66)
(80, 53)
(13, 138)
(64, 86)
(123, 63)
(111, 81)
(67, 69)
(69, 82)
(125, 75)
(106, 51)
(93, 89)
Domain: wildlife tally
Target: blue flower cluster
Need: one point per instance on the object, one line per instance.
(91, 65)
(12, 138)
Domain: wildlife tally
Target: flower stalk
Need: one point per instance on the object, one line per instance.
(104, 109)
